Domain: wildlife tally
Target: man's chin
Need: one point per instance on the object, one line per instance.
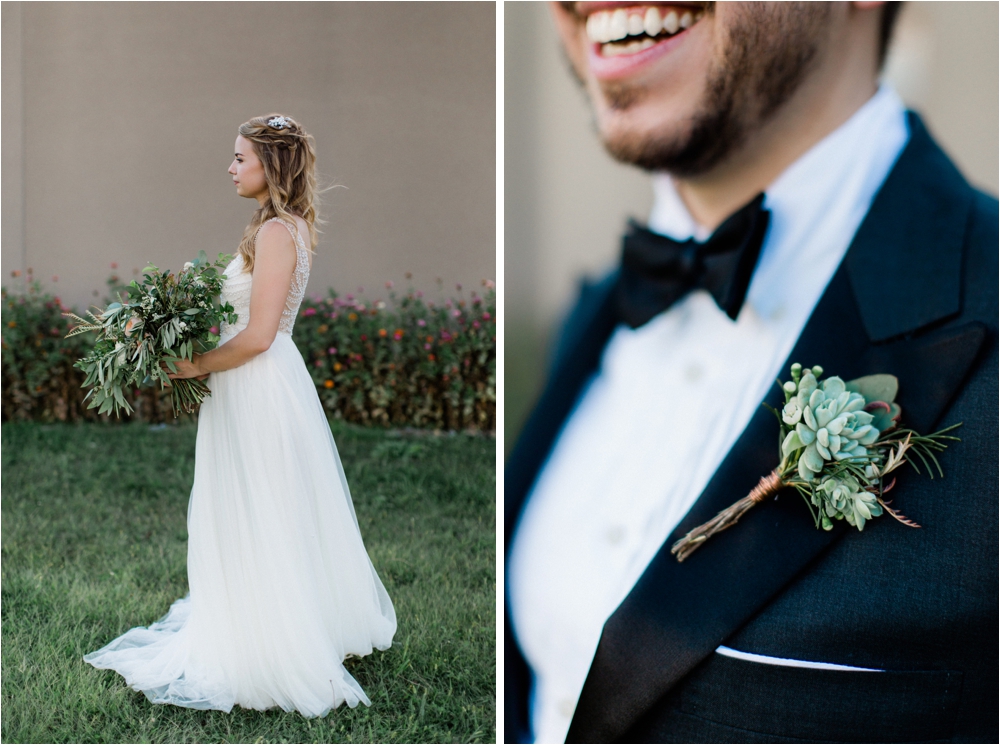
(643, 134)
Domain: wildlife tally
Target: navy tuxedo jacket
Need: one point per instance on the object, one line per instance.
(916, 296)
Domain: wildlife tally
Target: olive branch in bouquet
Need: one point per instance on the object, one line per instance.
(164, 319)
(838, 443)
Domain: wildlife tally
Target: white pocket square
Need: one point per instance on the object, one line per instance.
(786, 662)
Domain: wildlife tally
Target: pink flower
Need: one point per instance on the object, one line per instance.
(486, 316)
(332, 350)
(364, 337)
(389, 285)
(350, 297)
(55, 277)
(114, 264)
(427, 346)
(319, 363)
(475, 324)
(214, 330)
(456, 313)
(309, 312)
(421, 322)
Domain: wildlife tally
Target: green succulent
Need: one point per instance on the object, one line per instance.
(829, 423)
(843, 497)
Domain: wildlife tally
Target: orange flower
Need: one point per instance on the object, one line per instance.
(430, 357)
(12, 324)
(328, 384)
(337, 367)
(322, 329)
(352, 316)
(382, 332)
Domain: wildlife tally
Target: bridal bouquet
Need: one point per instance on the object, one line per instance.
(839, 441)
(165, 318)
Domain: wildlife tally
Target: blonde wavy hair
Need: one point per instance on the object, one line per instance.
(289, 159)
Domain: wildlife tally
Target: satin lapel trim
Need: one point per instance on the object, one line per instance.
(572, 369)
(924, 206)
(677, 614)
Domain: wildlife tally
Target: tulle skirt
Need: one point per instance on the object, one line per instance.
(281, 588)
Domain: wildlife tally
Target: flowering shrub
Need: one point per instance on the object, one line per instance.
(405, 362)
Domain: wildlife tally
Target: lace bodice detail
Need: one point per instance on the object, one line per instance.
(236, 288)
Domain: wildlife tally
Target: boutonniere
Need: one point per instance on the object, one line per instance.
(839, 441)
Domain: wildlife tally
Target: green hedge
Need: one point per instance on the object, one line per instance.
(404, 362)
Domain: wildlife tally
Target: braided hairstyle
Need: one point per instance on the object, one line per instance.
(288, 154)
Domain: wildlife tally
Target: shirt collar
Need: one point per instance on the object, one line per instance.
(803, 189)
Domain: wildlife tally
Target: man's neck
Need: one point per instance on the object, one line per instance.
(824, 102)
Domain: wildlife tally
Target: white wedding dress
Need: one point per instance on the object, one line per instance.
(281, 588)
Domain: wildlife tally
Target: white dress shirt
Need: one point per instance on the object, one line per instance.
(669, 401)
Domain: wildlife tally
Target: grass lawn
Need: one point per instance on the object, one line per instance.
(94, 543)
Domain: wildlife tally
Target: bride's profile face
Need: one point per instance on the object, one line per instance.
(248, 171)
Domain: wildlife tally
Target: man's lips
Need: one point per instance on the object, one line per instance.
(626, 36)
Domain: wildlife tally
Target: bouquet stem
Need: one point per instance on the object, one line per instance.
(767, 486)
(187, 394)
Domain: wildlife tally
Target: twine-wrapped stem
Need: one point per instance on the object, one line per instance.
(766, 487)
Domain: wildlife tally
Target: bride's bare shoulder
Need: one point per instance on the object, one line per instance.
(275, 240)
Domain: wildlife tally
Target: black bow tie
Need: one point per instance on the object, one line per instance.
(658, 271)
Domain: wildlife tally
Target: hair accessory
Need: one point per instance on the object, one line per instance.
(279, 122)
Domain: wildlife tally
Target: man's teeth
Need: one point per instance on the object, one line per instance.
(629, 47)
(606, 26)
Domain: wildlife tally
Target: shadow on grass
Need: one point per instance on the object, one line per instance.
(95, 541)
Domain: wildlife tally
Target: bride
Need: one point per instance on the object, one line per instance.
(281, 588)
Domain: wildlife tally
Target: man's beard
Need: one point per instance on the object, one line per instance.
(769, 52)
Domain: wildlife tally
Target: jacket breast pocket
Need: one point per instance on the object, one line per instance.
(822, 705)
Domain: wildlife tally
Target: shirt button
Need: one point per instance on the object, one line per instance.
(693, 373)
(566, 707)
(615, 534)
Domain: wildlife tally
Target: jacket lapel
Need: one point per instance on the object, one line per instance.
(677, 614)
(575, 361)
(585, 336)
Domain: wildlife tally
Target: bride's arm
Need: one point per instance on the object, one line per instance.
(274, 265)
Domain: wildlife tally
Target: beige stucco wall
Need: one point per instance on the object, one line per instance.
(119, 121)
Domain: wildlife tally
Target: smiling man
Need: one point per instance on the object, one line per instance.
(801, 215)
